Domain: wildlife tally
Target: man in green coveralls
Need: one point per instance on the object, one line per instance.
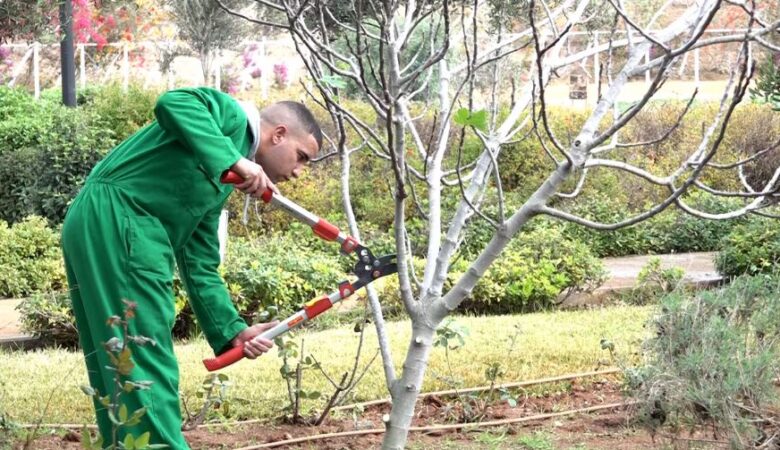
(155, 199)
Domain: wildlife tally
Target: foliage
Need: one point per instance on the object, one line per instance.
(30, 258)
(207, 28)
(654, 282)
(64, 141)
(472, 407)
(533, 272)
(713, 358)
(671, 231)
(122, 112)
(277, 273)
(216, 401)
(48, 316)
(751, 248)
(767, 88)
(93, 21)
(23, 19)
(120, 355)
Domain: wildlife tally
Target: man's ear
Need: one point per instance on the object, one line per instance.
(280, 132)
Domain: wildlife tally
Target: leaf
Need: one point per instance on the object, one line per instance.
(87, 390)
(461, 117)
(86, 439)
(222, 377)
(143, 440)
(476, 119)
(125, 365)
(123, 413)
(334, 81)
(129, 441)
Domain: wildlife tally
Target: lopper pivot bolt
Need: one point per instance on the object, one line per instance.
(367, 269)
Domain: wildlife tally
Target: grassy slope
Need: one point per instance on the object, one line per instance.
(549, 344)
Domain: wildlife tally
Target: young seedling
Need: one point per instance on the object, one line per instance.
(120, 356)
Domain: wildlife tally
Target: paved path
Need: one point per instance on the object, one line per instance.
(9, 318)
(699, 268)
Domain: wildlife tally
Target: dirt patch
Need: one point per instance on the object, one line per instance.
(607, 429)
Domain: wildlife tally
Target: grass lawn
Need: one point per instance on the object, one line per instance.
(549, 344)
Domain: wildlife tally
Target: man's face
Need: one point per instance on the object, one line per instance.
(287, 153)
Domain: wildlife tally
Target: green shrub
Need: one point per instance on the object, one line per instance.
(751, 248)
(653, 282)
(278, 273)
(671, 231)
(532, 273)
(49, 317)
(713, 360)
(30, 258)
(123, 113)
(47, 150)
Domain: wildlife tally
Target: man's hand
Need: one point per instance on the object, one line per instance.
(255, 180)
(254, 348)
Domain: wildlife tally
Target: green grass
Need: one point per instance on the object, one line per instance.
(549, 344)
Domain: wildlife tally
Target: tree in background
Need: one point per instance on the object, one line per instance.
(207, 28)
(93, 20)
(26, 20)
(462, 49)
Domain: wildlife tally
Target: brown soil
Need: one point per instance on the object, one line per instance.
(607, 429)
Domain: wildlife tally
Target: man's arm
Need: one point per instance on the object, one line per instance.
(198, 262)
(202, 119)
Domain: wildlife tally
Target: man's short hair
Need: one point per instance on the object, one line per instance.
(293, 114)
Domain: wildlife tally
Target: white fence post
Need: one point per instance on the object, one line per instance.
(596, 62)
(125, 68)
(82, 66)
(20, 67)
(263, 71)
(37, 70)
(217, 72)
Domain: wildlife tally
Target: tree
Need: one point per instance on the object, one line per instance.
(207, 28)
(461, 49)
(20, 19)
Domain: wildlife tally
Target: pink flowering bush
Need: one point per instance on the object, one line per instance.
(251, 59)
(281, 75)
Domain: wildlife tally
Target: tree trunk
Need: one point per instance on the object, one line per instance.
(406, 389)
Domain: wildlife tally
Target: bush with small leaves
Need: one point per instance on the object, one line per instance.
(713, 359)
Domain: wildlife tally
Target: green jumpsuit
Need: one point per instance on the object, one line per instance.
(155, 199)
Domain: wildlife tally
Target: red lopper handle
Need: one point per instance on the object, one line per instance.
(231, 356)
(230, 177)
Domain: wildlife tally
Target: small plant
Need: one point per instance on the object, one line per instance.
(288, 350)
(767, 88)
(536, 441)
(474, 406)
(654, 281)
(121, 356)
(214, 393)
(349, 379)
